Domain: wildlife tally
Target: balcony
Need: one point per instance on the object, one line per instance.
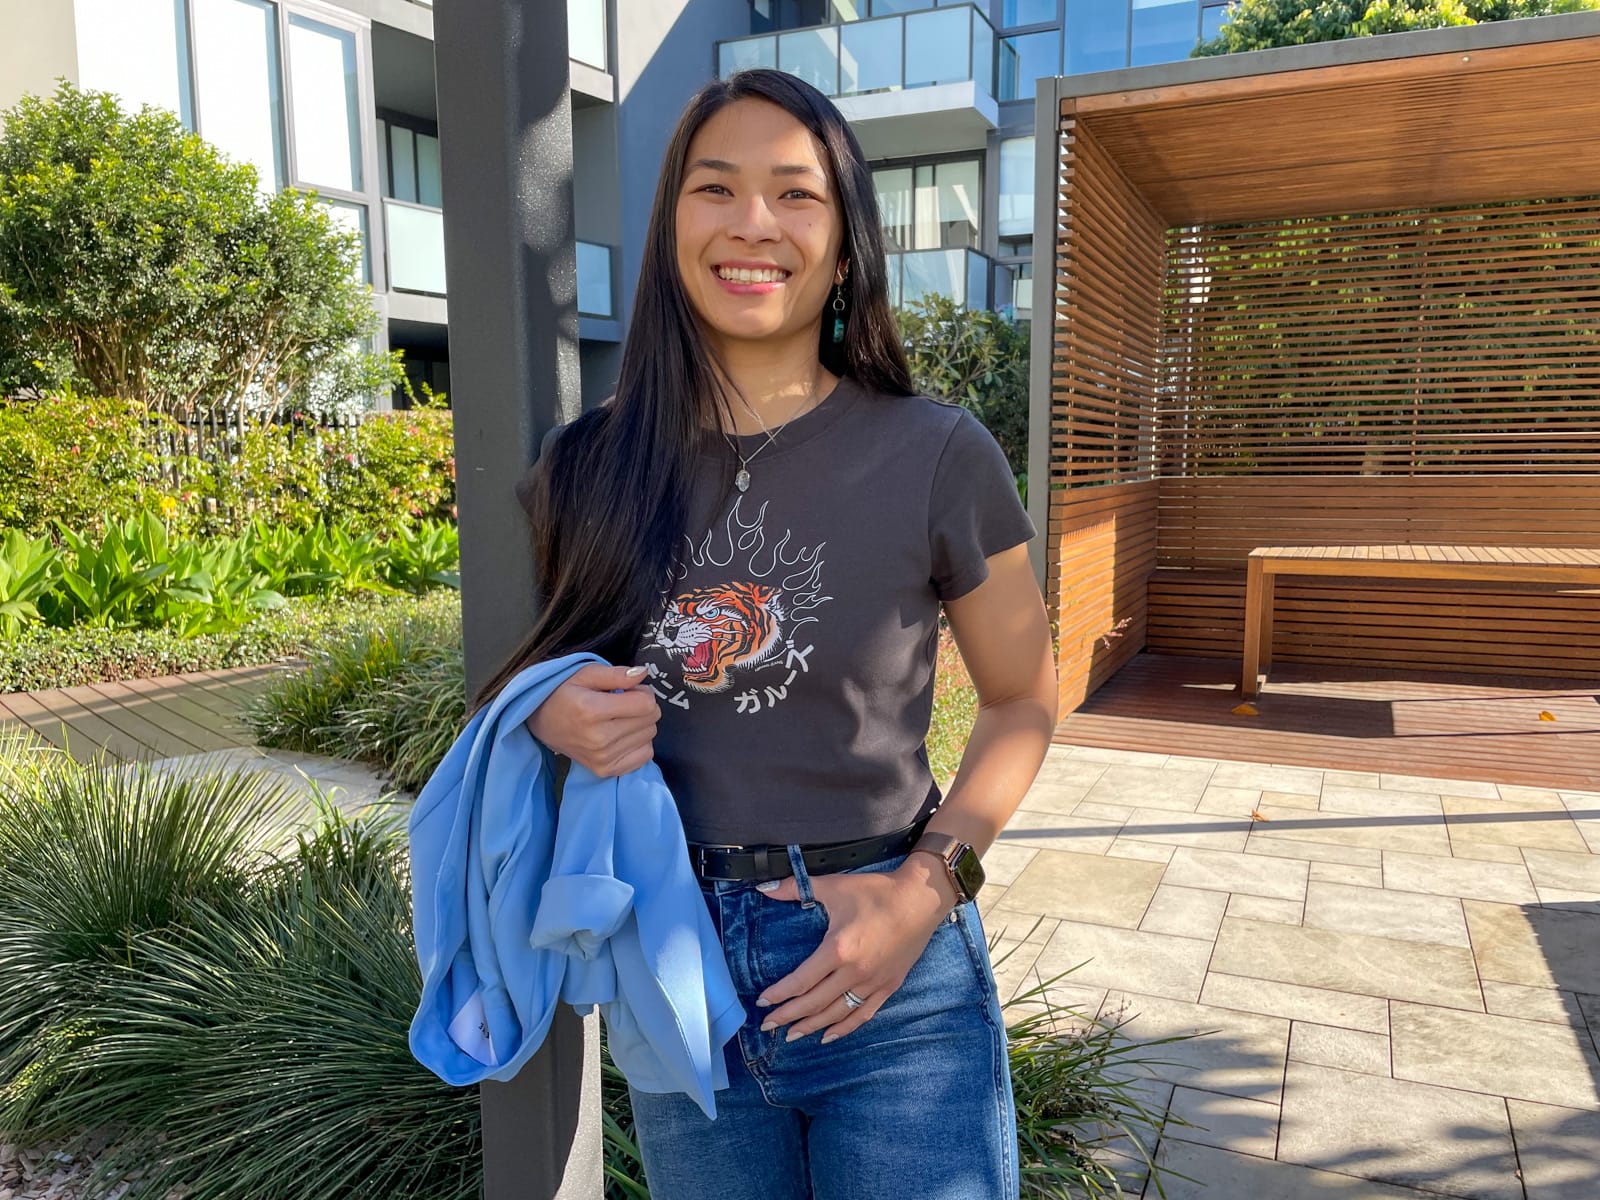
(961, 274)
(416, 247)
(912, 83)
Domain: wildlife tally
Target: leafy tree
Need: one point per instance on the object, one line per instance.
(978, 360)
(1263, 24)
(136, 261)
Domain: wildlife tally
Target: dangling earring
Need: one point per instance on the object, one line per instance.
(838, 312)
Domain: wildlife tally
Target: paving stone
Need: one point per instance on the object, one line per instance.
(1223, 1050)
(1408, 916)
(1303, 780)
(1418, 833)
(1229, 1122)
(1056, 831)
(1229, 801)
(1379, 802)
(1297, 1002)
(1003, 862)
(1046, 797)
(1563, 869)
(1574, 901)
(1559, 1149)
(1084, 887)
(1352, 778)
(1509, 824)
(1154, 964)
(1536, 947)
(1264, 908)
(1289, 800)
(1585, 810)
(1110, 814)
(1348, 962)
(1528, 795)
(1012, 962)
(1209, 1173)
(1485, 852)
(1343, 1049)
(1185, 912)
(1589, 1006)
(1532, 1003)
(1066, 770)
(1440, 787)
(1229, 871)
(1177, 789)
(1398, 1132)
(1442, 876)
(1206, 830)
(1501, 1056)
(1019, 927)
(1322, 872)
(1143, 851)
(1106, 755)
(1354, 856)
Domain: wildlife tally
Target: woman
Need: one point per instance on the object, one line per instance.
(766, 521)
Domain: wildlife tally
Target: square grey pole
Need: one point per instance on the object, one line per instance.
(505, 124)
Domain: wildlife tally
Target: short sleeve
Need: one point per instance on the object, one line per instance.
(974, 510)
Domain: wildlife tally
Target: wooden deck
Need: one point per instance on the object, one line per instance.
(140, 718)
(1353, 719)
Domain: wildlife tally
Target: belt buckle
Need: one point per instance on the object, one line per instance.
(700, 852)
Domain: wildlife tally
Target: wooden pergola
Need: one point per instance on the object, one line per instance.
(1332, 295)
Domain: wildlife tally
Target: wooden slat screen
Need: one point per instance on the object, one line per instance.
(1110, 260)
(1463, 340)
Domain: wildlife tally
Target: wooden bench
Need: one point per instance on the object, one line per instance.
(1510, 564)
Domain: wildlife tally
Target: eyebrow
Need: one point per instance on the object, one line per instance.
(721, 164)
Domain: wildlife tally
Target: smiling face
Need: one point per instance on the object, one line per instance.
(758, 225)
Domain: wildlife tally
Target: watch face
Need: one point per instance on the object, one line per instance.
(968, 872)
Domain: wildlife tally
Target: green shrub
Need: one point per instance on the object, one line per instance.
(42, 657)
(978, 360)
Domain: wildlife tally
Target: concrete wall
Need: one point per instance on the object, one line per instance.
(38, 43)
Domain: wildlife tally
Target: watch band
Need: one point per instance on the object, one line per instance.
(946, 847)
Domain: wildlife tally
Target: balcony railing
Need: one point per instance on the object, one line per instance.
(594, 281)
(416, 246)
(884, 54)
(962, 275)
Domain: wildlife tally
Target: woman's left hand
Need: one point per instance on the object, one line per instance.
(878, 926)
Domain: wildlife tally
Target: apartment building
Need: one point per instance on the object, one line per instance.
(338, 96)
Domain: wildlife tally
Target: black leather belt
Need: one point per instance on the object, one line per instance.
(756, 864)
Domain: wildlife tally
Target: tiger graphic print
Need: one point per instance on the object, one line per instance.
(712, 630)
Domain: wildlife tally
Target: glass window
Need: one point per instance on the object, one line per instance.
(1163, 31)
(403, 163)
(428, 182)
(139, 50)
(1016, 187)
(1097, 35)
(925, 215)
(960, 203)
(813, 55)
(241, 99)
(1212, 19)
(586, 32)
(322, 69)
(383, 157)
(938, 47)
(353, 217)
(882, 7)
(893, 186)
(983, 54)
(594, 280)
(1027, 12)
(869, 57)
(1025, 59)
(743, 55)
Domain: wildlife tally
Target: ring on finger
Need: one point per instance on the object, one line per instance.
(851, 1000)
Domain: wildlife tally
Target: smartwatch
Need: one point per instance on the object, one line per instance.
(960, 863)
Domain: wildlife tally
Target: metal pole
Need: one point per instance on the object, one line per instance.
(505, 123)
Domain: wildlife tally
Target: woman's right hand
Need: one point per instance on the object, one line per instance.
(603, 718)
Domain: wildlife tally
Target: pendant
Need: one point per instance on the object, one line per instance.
(742, 480)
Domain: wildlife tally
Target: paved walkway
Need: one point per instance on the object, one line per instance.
(1400, 976)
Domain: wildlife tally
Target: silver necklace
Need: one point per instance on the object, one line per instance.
(742, 479)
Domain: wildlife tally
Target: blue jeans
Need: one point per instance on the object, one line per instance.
(915, 1103)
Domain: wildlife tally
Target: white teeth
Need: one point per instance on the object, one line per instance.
(748, 275)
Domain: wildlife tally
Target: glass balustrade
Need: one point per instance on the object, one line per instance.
(960, 274)
(951, 44)
(416, 247)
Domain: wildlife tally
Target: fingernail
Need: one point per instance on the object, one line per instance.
(770, 885)
(635, 672)
(769, 1027)
(793, 1033)
(763, 1002)
(829, 1037)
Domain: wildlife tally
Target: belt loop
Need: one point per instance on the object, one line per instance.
(802, 877)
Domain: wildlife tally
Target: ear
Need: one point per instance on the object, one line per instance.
(842, 271)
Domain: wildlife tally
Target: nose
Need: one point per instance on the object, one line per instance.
(752, 220)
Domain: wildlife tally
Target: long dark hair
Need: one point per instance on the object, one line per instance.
(609, 507)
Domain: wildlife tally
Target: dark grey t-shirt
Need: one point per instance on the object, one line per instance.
(794, 660)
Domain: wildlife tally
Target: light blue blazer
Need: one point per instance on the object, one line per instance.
(517, 906)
